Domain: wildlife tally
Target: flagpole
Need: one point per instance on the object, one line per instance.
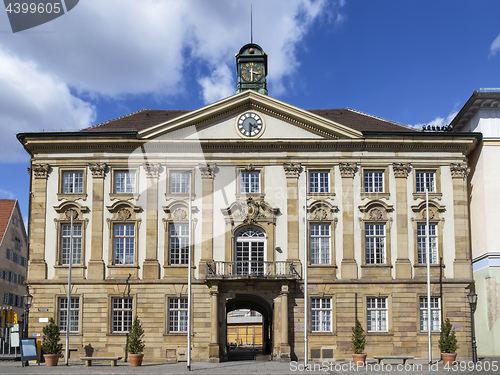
(427, 245)
(189, 276)
(306, 294)
(69, 289)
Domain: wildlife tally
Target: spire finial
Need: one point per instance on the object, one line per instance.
(251, 24)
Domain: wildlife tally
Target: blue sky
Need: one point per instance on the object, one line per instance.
(412, 62)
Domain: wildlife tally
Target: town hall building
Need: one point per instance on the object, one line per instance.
(258, 190)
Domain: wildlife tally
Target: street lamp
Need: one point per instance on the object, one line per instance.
(472, 303)
(27, 299)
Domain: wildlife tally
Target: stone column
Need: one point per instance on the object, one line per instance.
(403, 264)
(292, 172)
(349, 267)
(214, 347)
(285, 345)
(462, 264)
(207, 208)
(37, 267)
(151, 266)
(96, 266)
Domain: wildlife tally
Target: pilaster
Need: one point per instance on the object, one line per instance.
(462, 265)
(96, 266)
(207, 187)
(214, 347)
(37, 267)
(403, 264)
(292, 172)
(151, 266)
(349, 267)
(285, 345)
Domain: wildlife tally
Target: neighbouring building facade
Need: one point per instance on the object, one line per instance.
(260, 189)
(14, 255)
(481, 114)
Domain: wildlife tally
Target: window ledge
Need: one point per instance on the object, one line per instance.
(124, 196)
(321, 265)
(240, 196)
(422, 265)
(376, 266)
(431, 195)
(72, 266)
(117, 334)
(70, 196)
(323, 333)
(375, 195)
(180, 334)
(123, 266)
(320, 195)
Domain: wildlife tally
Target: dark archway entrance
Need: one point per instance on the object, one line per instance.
(261, 305)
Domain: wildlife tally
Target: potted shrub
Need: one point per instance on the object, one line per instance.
(448, 343)
(135, 344)
(358, 344)
(50, 343)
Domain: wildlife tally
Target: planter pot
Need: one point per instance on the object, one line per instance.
(359, 359)
(51, 359)
(135, 359)
(448, 358)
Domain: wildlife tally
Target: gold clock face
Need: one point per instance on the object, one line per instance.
(250, 124)
(252, 72)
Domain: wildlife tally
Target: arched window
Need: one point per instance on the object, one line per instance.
(249, 247)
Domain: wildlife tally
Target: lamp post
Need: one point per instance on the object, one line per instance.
(27, 299)
(472, 303)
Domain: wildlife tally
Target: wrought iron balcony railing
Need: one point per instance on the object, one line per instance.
(253, 269)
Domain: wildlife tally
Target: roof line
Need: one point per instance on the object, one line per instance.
(118, 118)
(10, 218)
(382, 119)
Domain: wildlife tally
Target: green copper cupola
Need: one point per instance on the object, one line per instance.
(251, 64)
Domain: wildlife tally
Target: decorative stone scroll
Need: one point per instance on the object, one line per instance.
(459, 170)
(123, 211)
(321, 211)
(249, 168)
(292, 170)
(207, 170)
(250, 211)
(66, 208)
(401, 170)
(98, 169)
(179, 211)
(348, 169)
(152, 169)
(40, 170)
(434, 210)
(376, 211)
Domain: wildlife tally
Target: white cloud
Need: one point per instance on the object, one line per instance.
(495, 46)
(4, 194)
(438, 121)
(116, 48)
(33, 100)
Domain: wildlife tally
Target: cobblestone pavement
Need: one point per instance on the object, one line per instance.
(420, 367)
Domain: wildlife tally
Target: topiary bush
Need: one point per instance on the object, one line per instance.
(135, 344)
(447, 341)
(358, 338)
(51, 338)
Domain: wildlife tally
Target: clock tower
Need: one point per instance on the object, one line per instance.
(251, 64)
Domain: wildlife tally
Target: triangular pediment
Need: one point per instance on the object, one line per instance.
(216, 121)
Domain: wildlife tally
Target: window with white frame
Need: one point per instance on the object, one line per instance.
(376, 314)
(66, 243)
(178, 243)
(72, 182)
(180, 182)
(375, 244)
(321, 314)
(124, 182)
(425, 180)
(319, 243)
(177, 314)
(124, 244)
(249, 182)
(121, 314)
(74, 314)
(421, 244)
(435, 314)
(373, 182)
(319, 182)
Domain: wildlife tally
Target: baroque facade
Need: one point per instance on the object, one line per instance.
(260, 189)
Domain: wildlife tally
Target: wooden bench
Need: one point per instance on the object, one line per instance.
(404, 358)
(88, 360)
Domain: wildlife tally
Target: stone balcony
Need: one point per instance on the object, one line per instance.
(253, 269)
